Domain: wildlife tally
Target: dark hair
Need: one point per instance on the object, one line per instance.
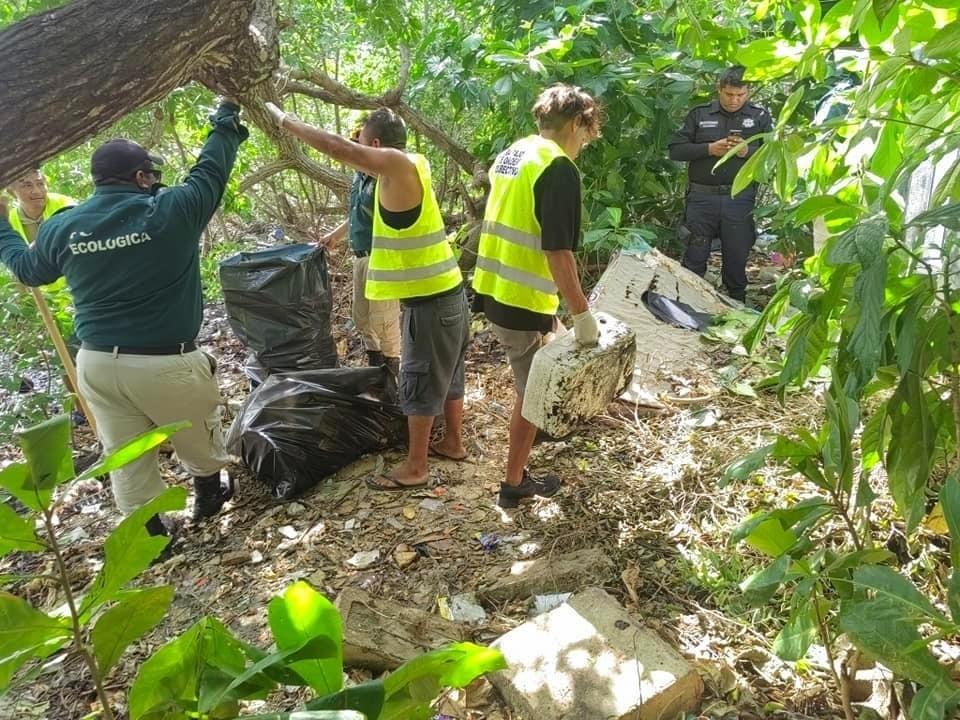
(733, 77)
(387, 126)
(560, 103)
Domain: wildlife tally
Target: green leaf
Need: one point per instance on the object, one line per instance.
(888, 583)
(130, 549)
(366, 697)
(302, 614)
(46, 448)
(911, 448)
(817, 205)
(866, 341)
(948, 216)
(945, 44)
(796, 637)
(882, 7)
(761, 585)
(173, 681)
(935, 703)
(17, 533)
(320, 647)
(131, 450)
(412, 687)
(751, 169)
(882, 627)
(950, 502)
(863, 243)
(17, 480)
(770, 315)
(136, 613)
(503, 86)
(789, 106)
(746, 466)
(27, 633)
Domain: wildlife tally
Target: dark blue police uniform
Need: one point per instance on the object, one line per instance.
(711, 211)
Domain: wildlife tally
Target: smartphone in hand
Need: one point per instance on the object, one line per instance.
(735, 136)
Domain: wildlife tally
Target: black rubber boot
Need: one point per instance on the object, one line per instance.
(375, 358)
(155, 526)
(529, 487)
(210, 493)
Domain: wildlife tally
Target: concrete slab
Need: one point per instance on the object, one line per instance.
(553, 573)
(590, 660)
(661, 348)
(570, 383)
(381, 635)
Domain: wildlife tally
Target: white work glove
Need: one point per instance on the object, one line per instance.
(585, 328)
(276, 113)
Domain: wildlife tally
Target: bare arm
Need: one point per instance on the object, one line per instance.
(563, 267)
(335, 236)
(397, 175)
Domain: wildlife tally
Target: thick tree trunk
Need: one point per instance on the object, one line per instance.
(72, 72)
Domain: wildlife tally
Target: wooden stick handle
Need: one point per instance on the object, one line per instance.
(64, 354)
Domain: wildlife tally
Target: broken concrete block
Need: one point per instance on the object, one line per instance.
(548, 574)
(569, 383)
(590, 659)
(383, 634)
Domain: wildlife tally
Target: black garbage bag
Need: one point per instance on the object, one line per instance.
(676, 313)
(279, 302)
(297, 428)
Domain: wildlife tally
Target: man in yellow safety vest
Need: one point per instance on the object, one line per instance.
(525, 260)
(410, 261)
(34, 204)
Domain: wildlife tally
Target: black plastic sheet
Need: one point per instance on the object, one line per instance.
(676, 313)
(279, 303)
(297, 428)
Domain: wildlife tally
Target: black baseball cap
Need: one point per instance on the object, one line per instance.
(119, 159)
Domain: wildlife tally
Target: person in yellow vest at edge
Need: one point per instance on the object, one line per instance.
(34, 204)
(529, 234)
(410, 261)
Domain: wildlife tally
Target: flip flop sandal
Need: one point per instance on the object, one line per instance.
(382, 482)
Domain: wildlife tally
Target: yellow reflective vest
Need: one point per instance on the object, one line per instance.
(416, 261)
(512, 267)
(54, 203)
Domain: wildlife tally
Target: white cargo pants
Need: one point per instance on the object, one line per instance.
(131, 394)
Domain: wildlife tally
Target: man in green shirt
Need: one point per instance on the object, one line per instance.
(130, 255)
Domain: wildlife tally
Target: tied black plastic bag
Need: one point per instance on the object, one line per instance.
(297, 428)
(279, 302)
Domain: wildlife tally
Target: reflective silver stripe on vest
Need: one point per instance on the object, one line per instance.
(409, 243)
(419, 273)
(517, 237)
(518, 276)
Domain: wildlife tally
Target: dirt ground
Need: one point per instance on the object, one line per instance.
(642, 486)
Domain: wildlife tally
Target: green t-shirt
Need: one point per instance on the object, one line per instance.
(131, 258)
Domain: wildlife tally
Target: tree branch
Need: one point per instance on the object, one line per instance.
(316, 83)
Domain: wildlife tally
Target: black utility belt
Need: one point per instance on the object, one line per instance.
(711, 189)
(178, 349)
(360, 253)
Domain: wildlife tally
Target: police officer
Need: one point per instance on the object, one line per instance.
(708, 133)
(131, 258)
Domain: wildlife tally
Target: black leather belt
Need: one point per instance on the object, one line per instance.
(360, 253)
(711, 189)
(178, 349)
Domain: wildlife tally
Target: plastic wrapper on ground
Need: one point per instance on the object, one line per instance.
(298, 428)
(279, 304)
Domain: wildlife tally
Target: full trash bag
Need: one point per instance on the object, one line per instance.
(279, 303)
(297, 428)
